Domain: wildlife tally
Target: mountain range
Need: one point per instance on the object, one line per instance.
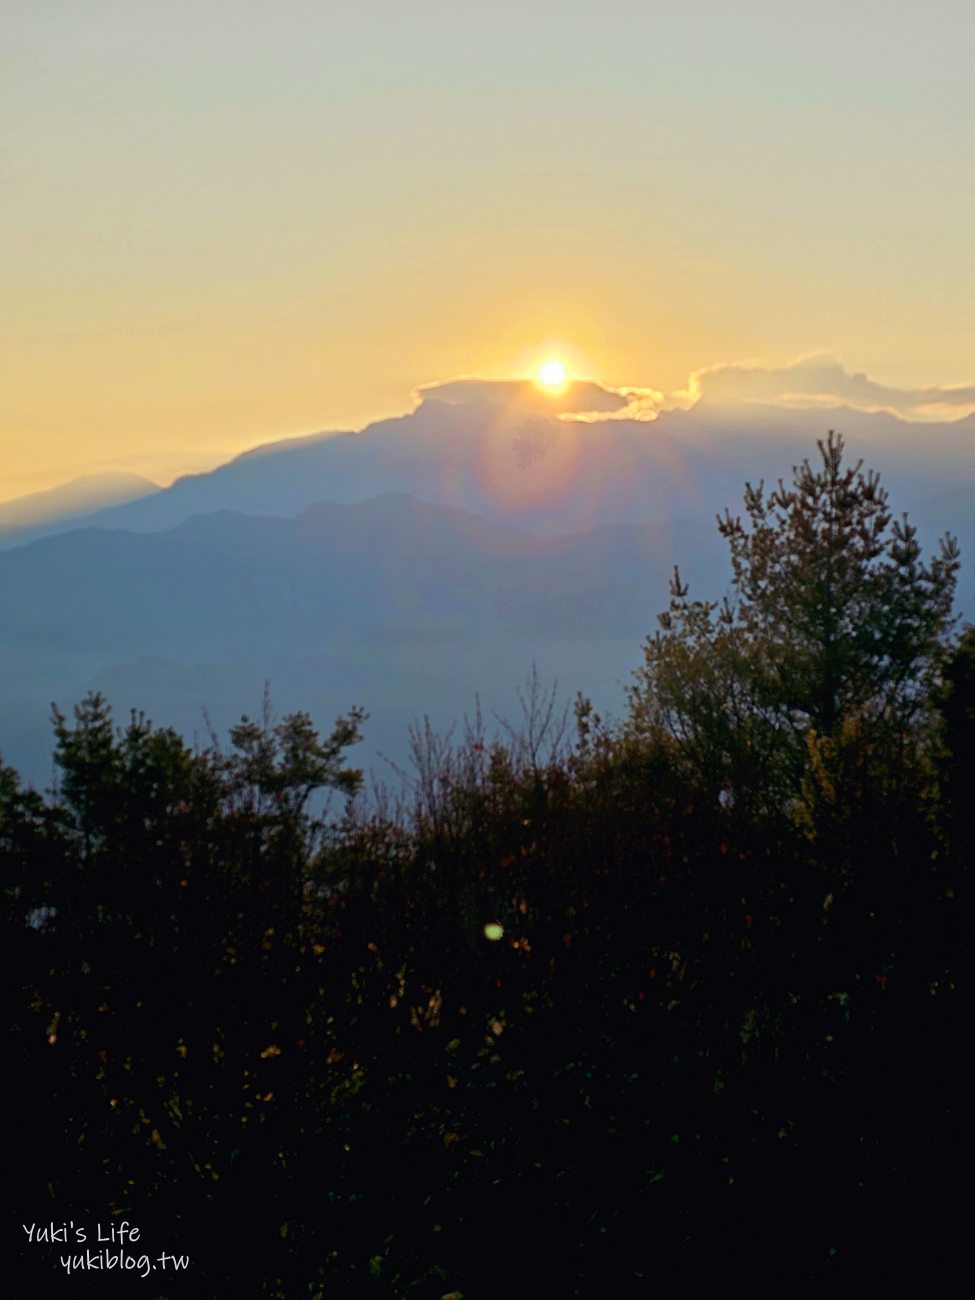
(413, 564)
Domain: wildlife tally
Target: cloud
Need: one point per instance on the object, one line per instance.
(579, 398)
(821, 380)
(817, 380)
(643, 404)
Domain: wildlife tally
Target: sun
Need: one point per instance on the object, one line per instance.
(551, 373)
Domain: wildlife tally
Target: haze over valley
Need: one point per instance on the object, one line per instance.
(412, 566)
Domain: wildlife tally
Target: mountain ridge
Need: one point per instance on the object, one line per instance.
(517, 463)
(30, 512)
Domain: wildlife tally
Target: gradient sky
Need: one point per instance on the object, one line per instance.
(225, 223)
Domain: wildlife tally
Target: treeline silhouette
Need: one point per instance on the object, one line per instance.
(582, 1009)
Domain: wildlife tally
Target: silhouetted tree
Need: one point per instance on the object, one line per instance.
(684, 1001)
(827, 649)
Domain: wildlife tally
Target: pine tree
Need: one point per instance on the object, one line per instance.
(831, 641)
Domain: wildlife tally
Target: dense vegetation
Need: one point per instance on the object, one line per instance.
(681, 997)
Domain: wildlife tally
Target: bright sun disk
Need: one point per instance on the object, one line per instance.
(552, 373)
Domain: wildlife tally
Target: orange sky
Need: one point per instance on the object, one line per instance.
(223, 227)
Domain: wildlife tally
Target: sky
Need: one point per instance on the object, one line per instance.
(229, 223)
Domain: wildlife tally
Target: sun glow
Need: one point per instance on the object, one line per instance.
(551, 373)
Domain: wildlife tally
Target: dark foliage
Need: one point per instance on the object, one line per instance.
(683, 999)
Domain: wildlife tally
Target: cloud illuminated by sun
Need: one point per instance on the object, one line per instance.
(551, 373)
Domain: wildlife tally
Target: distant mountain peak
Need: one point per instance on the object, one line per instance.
(78, 496)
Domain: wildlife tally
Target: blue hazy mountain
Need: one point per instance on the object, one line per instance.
(398, 604)
(56, 509)
(501, 451)
(420, 561)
